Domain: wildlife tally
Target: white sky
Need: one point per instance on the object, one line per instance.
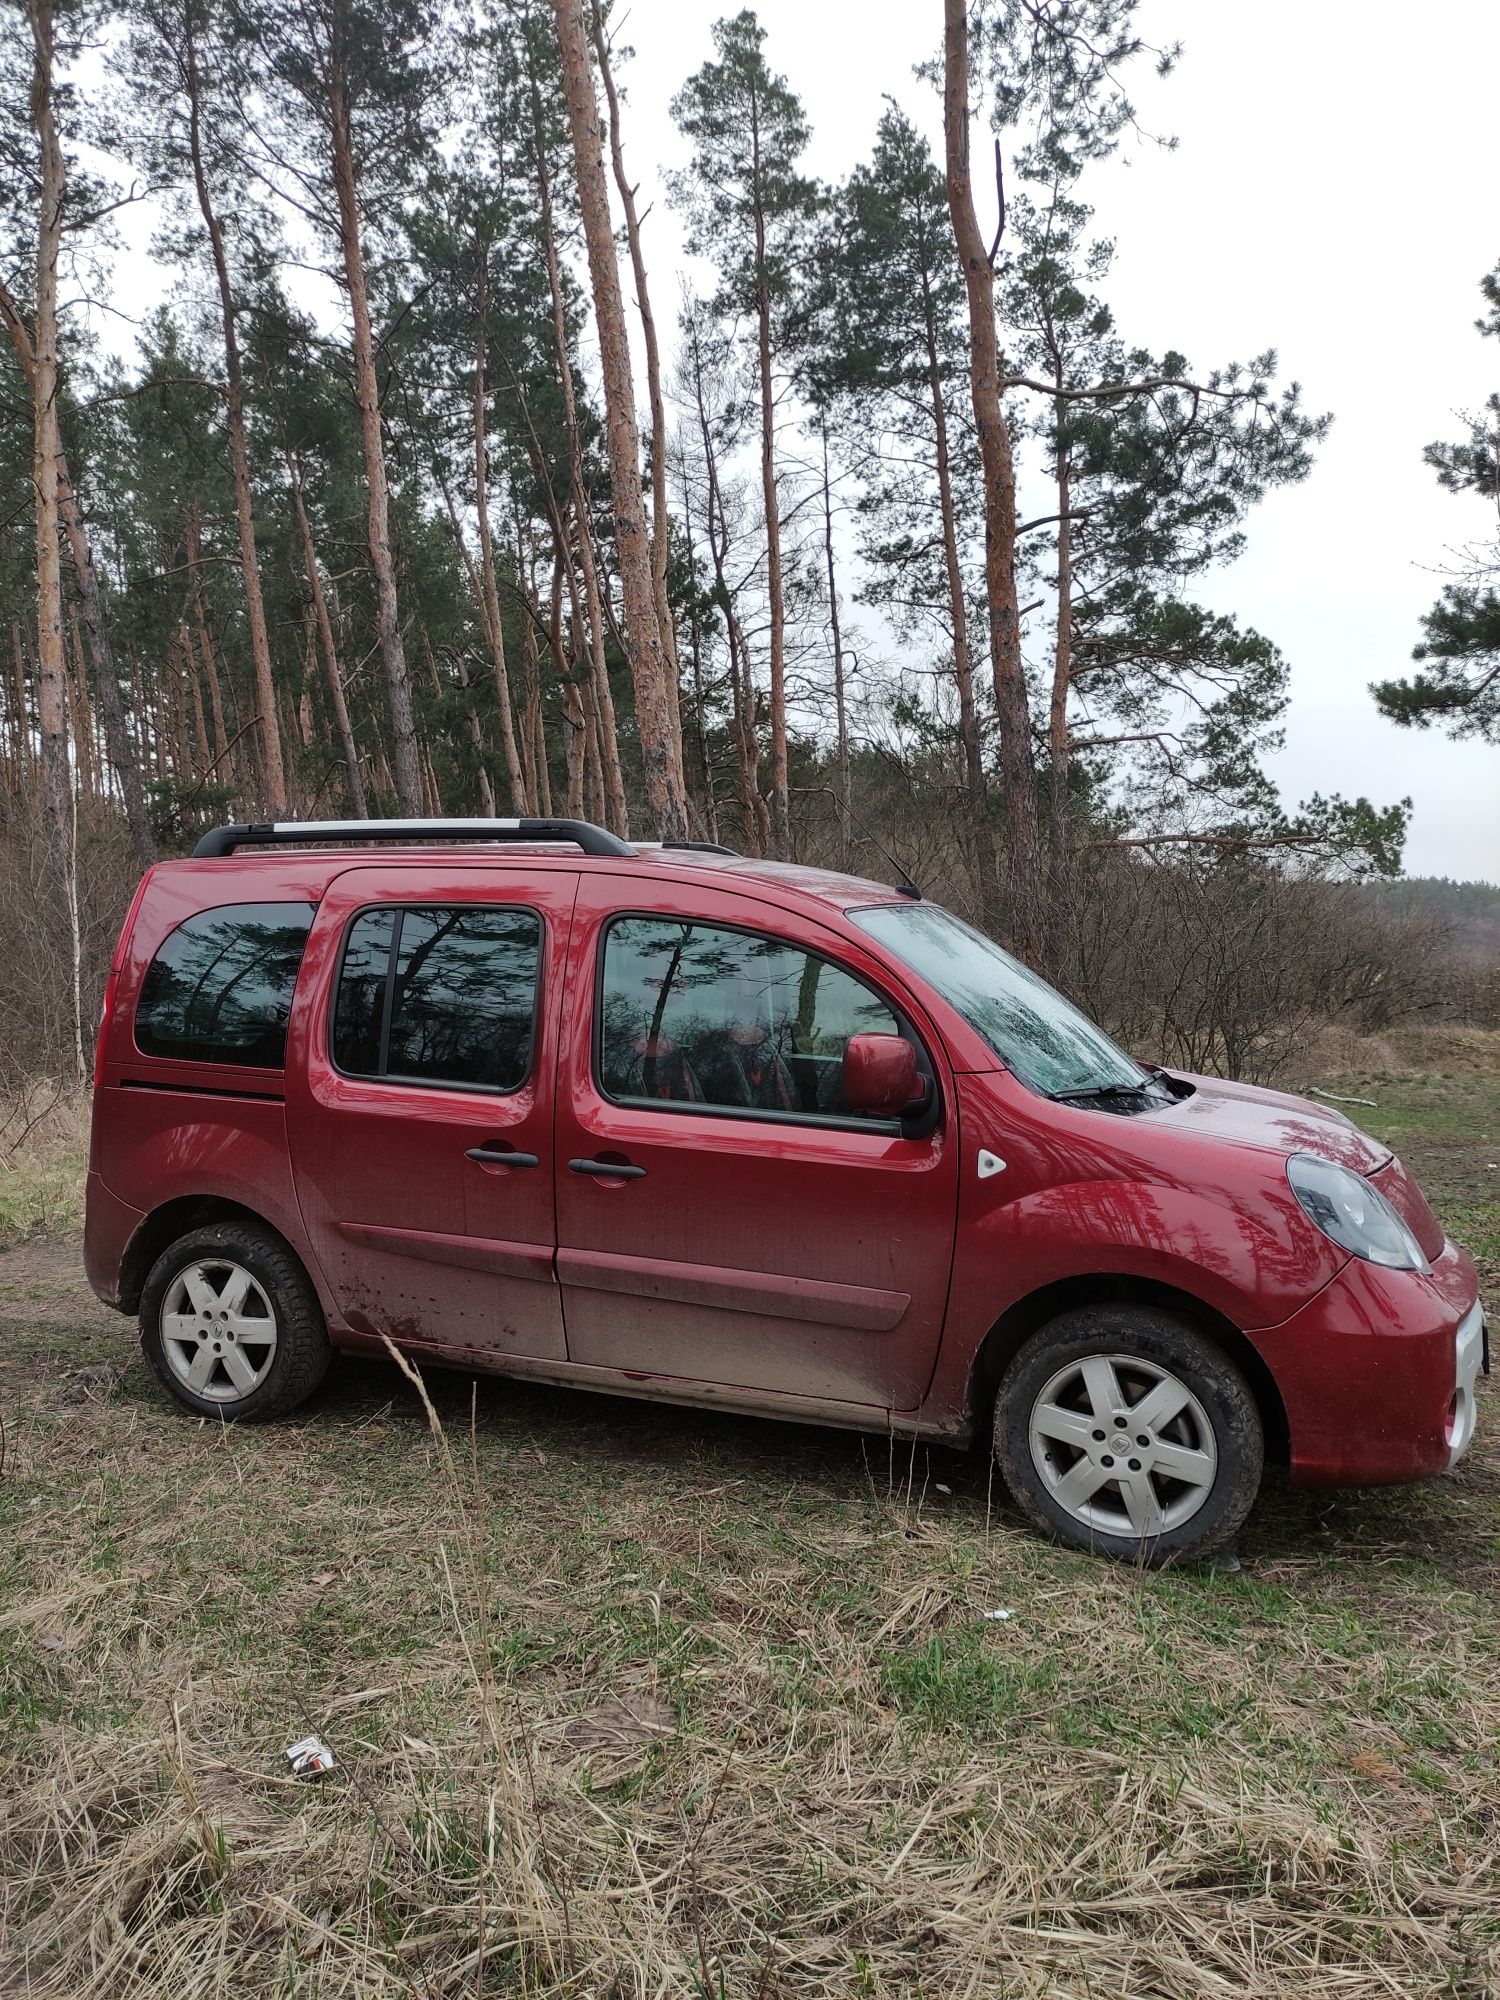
(1332, 196)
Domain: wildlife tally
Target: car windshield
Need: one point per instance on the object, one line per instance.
(1034, 1031)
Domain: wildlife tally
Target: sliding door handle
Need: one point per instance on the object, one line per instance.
(607, 1170)
(496, 1156)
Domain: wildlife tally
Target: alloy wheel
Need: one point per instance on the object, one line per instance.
(218, 1330)
(1123, 1446)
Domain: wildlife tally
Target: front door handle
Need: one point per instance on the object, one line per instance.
(607, 1170)
(495, 1156)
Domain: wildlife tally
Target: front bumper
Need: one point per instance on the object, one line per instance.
(1471, 1354)
(1377, 1373)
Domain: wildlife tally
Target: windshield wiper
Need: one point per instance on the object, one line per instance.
(1092, 1090)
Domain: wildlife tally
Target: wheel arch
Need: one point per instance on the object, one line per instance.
(1020, 1320)
(176, 1218)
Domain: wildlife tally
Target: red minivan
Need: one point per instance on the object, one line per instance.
(662, 1121)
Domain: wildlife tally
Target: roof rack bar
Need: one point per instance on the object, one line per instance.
(702, 847)
(593, 840)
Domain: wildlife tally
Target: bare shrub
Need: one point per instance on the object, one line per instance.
(1224, 966)
(44, 1136)
(36, 1030)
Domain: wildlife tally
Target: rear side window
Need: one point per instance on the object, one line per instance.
(727, 1020)
(219, 989)
(439, 995)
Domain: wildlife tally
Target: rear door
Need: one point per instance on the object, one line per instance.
(420, 1101)
(721, 1217)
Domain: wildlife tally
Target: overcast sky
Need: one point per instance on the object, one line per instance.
(1333, 195)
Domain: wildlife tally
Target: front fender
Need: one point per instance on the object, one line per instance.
(1245, 1252)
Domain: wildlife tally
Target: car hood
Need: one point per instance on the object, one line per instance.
(1276, 1122)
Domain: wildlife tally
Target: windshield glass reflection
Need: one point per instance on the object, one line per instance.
(1034, 1031)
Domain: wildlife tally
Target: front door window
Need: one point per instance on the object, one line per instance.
(719, 1019)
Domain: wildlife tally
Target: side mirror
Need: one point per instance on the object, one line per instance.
(881, 1078)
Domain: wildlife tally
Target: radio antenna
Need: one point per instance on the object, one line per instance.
(905, 886)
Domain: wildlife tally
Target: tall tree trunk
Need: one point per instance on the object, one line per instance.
(661, 752)
(977, 816)
(660, 520)
(781, 798)
(1060, 829)
(82, 711)
(1017, 759)
(408, 772)
(239, 456)
(325, 638)
(619, 816)
(573, 723)
(116, 736)
(18, 726)
(476, 738)
(23, 709)
(116, 731)
(52, 676)
(695, 633)
(515, 777)
(754, 820)
(840, 704)
(215, 702)
(224, 743)
(536, 735)
(593, 768)
(195, 689)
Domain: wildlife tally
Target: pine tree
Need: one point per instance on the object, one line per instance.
(892, 356)
(997, 452)
(353, 93)
(1460, 652)
(184, 63)
(661, 749)
(749, 210)
(47, 177)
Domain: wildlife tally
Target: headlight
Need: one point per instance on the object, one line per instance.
(1357, 1216)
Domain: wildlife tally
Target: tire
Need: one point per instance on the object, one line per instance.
(1070, 1394)
(231, 1325)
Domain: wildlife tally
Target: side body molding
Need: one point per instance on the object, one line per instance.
(467, 1253)
(858, 1306)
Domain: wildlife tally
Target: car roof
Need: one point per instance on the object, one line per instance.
(309, 871)
(824, 885)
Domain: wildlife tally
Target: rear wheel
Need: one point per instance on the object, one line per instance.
(1123, 1429)
(231, 1324)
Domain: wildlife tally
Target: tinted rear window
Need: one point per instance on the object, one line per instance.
(219, 989)
(458, 1005)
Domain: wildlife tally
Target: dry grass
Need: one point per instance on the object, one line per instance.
(637, 1702)
(44, 1142)
(1438, 1048)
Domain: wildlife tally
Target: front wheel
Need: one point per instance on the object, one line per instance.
(1123, 1430)
(231, 1324)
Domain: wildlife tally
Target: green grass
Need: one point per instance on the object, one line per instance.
(847, 1781)
(39, 1198)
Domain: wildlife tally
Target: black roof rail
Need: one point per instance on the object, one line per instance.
(593, 840)
(701, 847)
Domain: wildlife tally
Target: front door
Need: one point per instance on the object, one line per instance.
(420, 1114)
(721, 1217)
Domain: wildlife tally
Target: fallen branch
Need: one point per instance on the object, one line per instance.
(1333, 1098)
